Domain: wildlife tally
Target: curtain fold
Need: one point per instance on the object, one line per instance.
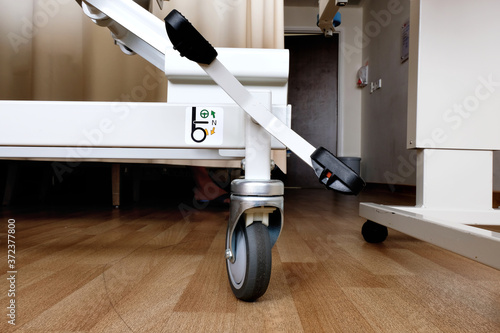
(16, 50)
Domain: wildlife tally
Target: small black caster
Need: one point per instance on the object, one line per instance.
(373, 232)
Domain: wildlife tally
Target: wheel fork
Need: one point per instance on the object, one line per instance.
(251, 201)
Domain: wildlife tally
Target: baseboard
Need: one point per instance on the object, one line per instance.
(496, 199)
(394, 188)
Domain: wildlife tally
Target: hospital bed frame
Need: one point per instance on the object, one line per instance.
(201, 120)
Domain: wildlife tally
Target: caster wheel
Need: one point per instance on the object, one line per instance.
(373, 232)
(250, 273)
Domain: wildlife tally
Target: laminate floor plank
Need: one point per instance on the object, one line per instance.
(208, 291)
(41, 296)
(470, 304)
(201, 322)
(275, 311)
(146, 303)
(293, 248)
(345, 270)
(390, 310)
(162, 269)
(322, 305)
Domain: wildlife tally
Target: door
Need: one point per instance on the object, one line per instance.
(312, 92)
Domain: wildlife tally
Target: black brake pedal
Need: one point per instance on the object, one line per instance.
(334, 174)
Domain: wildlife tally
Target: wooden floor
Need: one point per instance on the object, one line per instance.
(151, 269)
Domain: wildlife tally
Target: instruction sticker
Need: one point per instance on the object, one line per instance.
(204, 125)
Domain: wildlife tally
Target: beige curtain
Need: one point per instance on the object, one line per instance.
(49, 50)
(235, 23)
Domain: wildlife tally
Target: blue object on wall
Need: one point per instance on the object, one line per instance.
(337, 19)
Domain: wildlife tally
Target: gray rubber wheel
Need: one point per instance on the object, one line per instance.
(250, 273)
(373, 232)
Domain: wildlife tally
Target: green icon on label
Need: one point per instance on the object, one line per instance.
(204, 113)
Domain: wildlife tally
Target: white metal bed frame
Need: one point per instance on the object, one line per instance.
(200, 121)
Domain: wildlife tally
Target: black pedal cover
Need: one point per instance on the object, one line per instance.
(187, 40)
(334, 174)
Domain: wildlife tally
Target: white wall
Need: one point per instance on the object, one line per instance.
(304, 19)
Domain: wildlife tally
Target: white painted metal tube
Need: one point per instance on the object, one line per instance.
(472, 242)
(147, 35)
(257, 147)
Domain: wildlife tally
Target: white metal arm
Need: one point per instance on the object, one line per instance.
(133, 27)
(327, 11)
